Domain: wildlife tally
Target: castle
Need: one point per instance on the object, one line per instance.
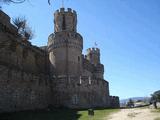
(58, 74)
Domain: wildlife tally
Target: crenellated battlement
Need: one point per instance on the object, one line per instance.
(93, 55)
(93, 50)
(63, 10)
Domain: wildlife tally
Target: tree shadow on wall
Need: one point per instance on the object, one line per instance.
(55, 114)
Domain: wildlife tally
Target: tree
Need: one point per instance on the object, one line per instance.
(17, 1)
(12, 1)
(155, 98)
(23, 29)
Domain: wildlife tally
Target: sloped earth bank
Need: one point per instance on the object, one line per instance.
(135, 114)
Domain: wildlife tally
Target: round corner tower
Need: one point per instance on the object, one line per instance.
(65, 44)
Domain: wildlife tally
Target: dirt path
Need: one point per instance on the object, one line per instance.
(134, 114)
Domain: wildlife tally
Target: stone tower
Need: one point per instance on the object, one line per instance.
(93, 56)
(65, 44)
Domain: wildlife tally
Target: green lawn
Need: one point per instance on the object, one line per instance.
(58, 114)
(98, 114)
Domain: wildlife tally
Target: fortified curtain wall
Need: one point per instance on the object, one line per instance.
(81, 92)
(24, 79)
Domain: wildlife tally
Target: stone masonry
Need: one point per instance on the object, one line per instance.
(58, 74)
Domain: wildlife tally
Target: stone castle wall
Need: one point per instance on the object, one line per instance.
(22, 91)
(22, 55)
(90, 69)
(24, 79)
(80, 92)
(28, 81)
(18, 53)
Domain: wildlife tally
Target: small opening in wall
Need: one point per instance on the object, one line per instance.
(75, 99)
(78, 58)
(63, 23)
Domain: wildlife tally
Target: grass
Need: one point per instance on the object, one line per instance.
(58, 114)
(98, 114)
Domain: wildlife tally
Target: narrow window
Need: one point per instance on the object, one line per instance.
(78, 59)
(63, 23)
(75, 99)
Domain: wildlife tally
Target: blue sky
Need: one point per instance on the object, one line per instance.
(126, 31)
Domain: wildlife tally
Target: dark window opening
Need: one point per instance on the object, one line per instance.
(78, 58)
(63, 23)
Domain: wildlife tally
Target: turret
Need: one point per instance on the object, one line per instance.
(93, 55)
(65, 44)
(65, 20)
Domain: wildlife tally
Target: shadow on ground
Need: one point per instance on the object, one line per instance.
(57, 114)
